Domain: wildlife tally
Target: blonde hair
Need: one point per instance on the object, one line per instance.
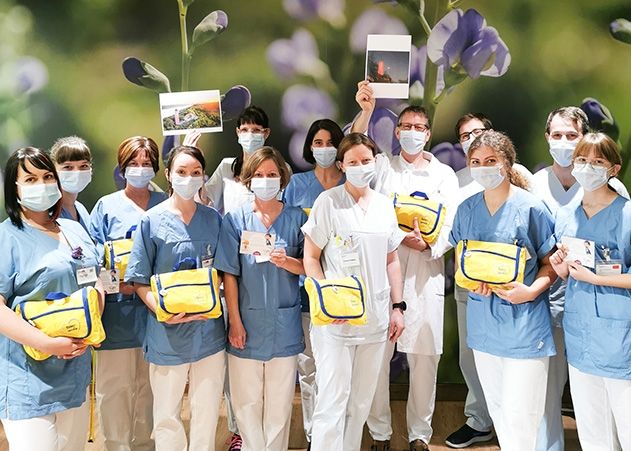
(257, 158)
(503, 147)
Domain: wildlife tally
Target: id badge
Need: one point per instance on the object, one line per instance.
(86, 275)
(609, 267)
(110, 280)
(207, 262)
(350, 260)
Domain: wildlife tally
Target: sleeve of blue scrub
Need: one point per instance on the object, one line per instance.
(97, 227)
(455, 235)
(319, 225)
(143, 255)
(227, 256)
(541, 230)
(7, 267)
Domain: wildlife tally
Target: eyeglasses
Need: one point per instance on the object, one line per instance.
(475, 132)
(418, 127)
(597, 163)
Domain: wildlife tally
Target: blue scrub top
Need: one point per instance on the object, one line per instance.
(83, 216)
(302, 191)
(124, 317)
(495, 326)
(597, 319)
(269, 302)
(32, 265)
(162, 240)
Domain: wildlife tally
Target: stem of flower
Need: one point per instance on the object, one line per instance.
(186, 58)
(421, 17)
(454, 4)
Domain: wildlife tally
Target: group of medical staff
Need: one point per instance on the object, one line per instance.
(337, 220)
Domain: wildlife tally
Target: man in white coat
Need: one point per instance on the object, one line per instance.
(422, 267)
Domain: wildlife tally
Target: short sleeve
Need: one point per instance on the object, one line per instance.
(227, 255)
(8, 272)
(143, 255)
(98, 227)
(541, 230)
(319, 225)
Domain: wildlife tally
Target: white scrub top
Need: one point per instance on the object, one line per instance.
(337, 224)
(424, 272)
(226, 193)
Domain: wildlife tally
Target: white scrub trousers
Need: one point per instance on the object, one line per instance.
(603, 411)
(346, 378)
(306, 378)
(262, 398)
(205, 385)
(62, 431)
(515, 392)
(124, 400)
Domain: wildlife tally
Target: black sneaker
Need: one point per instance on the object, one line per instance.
(466, 436)
(380, 445)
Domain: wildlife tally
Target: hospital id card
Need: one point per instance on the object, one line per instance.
(609, 268)
(579, 250)
(110, 280)
(257, 243)
(86, 275)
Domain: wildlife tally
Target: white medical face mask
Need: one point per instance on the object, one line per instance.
(590, 177)
(324, 156)
(39, 197)
(466, 144)
(139, 177)
(562, 151)
(360, 176)
(412, 141)
(186, 187)
(251, 142)
(488, 176)
(74, 181)
(265, 188)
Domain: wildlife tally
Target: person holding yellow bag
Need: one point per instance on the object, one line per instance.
(176, 234)
(509, 327)
(352, 231)
(263, 301)
(122, 385)
(42, 403)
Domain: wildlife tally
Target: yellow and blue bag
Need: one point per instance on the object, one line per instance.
(116, 253)
(191, 291)
(60, 315)
(496, 264)
(337, 299)
(429, 213)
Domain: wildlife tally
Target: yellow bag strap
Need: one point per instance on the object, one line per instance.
(92, 424)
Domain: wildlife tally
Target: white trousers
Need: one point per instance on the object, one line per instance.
(62, 431)
(420, 403)
(515, 392)
(475, 405)
(262, 398)
(124, 400)
(205, 385)
(346, 378)
(550, 436)
(603, 411)
(306, 377)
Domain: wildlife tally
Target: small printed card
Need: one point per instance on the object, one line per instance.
(110, 280)
(258, 244)
(579, 250)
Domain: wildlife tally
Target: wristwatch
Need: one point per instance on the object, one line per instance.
(400, 305)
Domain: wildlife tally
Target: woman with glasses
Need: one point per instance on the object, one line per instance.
(597, 314)
(509, 328)
(73, 162)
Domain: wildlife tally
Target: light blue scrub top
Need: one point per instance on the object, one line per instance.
(162, 240)
(83, 216)
(33, 265)
(124, 317)
(302, 191)
(495, 326)
(597, 319)
(269, 301)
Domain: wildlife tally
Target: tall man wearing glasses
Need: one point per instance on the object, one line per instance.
(423, 268)
(557, 187)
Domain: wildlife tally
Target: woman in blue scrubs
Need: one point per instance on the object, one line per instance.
(186, 348)
(320, 148)
(42, 403)
(122, 385)
(265, 333)
(73, 162)
(509, 330)
(597, 318)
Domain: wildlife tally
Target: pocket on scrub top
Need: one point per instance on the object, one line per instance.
(609, 344)
(289, 326)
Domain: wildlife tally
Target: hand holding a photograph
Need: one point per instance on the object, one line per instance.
(279, 257)
(192, 138)
(365, 97)
(581, 273)
(557, 260)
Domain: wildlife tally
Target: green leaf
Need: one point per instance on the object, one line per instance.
(210, 27)
(620, 29)
(154, 79)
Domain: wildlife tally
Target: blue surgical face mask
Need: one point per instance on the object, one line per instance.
(39, 197)
(324, 156)
(251, 142)
(412, 142)
(186, 187)
(74, 181)
(139, 177)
